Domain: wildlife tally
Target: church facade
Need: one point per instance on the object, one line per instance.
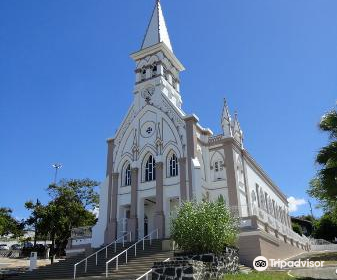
(161, 156)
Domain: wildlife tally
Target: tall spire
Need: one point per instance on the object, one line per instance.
(226, 120)
(237, 132)
(156, 31)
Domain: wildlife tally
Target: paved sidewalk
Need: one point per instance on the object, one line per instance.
(315, 273)
(328, 271)
(10, 266)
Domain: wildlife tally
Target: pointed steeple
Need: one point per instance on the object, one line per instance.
(225, 111)
(156, 31)
(237, 132)
(226, 120)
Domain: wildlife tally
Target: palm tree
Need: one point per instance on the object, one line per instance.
(327, 156)
(324, 185)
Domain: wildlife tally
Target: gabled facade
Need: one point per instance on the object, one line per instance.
(161, 156)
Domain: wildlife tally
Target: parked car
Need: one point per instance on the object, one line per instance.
(4, 247)
(16, 247)
(28, 245)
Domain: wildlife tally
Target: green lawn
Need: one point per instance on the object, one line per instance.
(327, 257)
(262, 276)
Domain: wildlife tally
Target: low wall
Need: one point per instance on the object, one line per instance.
(178, 269)
(259, 243)
(215, 265)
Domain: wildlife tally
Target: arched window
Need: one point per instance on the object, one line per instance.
(143, 74)
(150, 169)
(240, 173)
(218, 170)
(253, 195)
(154, 70)
(217, 166)
(263, 205)
(127, 175)
(166, 75)
(173, 165)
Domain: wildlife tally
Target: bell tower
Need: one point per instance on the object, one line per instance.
(157, 68)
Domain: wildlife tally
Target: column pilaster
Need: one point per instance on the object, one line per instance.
(191, 142)
(133, 221)
(109, 164)
(159, 216)
(111, 229)
(182, 172)
(232, 180)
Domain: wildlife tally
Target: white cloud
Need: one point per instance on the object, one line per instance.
(294, 203)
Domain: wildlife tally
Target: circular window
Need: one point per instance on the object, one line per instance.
(148, 129)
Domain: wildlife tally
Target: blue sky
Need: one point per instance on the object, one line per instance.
(67, 79)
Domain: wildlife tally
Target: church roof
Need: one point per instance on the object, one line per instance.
(156, 31)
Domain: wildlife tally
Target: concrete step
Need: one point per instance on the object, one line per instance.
(137, 265)
(244, 269)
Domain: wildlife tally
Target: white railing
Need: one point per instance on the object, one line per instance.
(121, 238)
(149, 236)
(322, 245)
(314, 241)
(146, 274)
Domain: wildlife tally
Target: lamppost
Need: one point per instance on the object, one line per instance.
(57, 166)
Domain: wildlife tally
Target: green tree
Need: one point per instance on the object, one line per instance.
(297, 228)
(326, 228)
(34, 219)
(71, 206)
(8, 224)
(324, 186)
(204, 227)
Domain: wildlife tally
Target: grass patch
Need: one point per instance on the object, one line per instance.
(326, 256)
(266, 275)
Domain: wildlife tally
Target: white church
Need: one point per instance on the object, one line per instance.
(161, 156)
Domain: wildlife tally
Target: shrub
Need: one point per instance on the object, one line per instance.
(204, 227)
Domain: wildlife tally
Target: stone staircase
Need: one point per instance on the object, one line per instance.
(135, 267)
(244, 269)
(139, 265)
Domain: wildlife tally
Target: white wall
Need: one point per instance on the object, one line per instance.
(99, 229)
(255, 178)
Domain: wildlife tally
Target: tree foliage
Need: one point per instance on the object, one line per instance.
(71, 206)
(297, 228)
(8, 224)
(326, 227)
(204, 227)
(324, 186)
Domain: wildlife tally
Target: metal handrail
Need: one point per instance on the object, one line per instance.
(106, 252)
(126, 251)
(148, 272)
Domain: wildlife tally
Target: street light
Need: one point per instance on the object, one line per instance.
(57, 166)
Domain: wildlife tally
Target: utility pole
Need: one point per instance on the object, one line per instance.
(57, 166)
(313, 218)
(38, 203)
(312, 215)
